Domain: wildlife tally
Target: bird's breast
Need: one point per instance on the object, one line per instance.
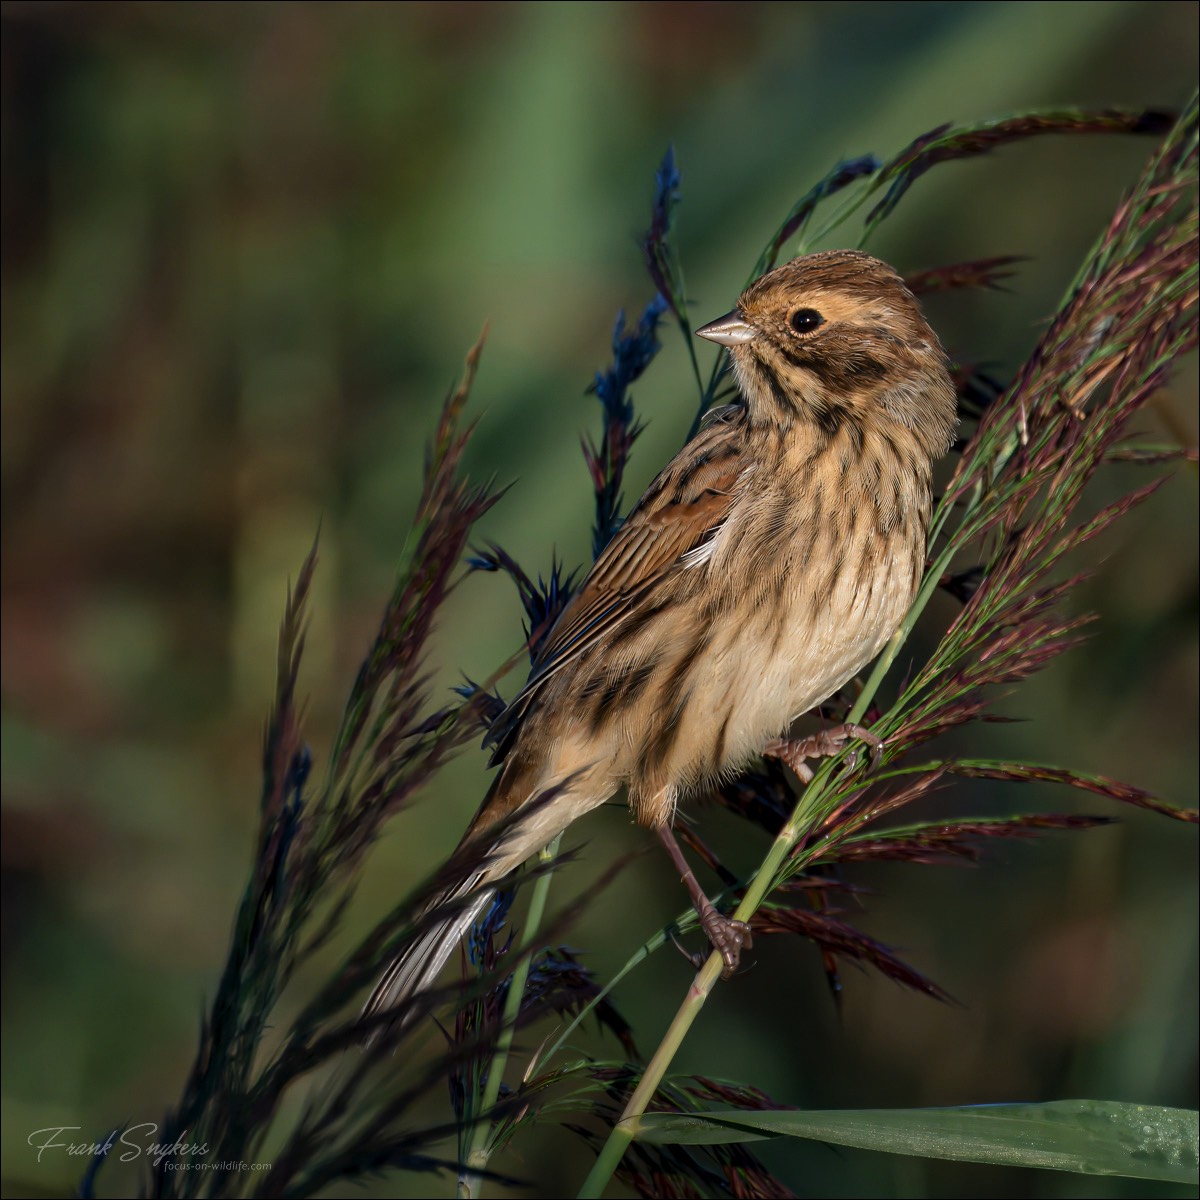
(807, 624)
(796, 593)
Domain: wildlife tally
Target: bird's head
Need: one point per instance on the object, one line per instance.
(837, 339)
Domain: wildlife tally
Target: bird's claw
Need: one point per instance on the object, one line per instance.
(695, 958)
(824, 744)
(728, 938)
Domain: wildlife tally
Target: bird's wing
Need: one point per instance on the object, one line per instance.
(680, 511)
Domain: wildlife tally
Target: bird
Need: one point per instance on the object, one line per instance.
(763, 568)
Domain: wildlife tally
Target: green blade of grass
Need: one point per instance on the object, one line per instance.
(1089, 1137)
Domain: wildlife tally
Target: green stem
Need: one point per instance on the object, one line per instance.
(614, 1149)
(469, 1182)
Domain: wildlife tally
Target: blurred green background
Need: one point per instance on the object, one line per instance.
(244, 250)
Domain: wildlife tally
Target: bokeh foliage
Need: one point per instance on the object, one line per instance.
(244, 249)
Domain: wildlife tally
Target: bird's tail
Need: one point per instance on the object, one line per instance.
(511, 832)
(419, 963)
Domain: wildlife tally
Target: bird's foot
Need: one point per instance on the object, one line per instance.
(796, 751)
(728, 938)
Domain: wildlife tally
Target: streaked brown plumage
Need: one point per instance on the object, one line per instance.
(764, 567)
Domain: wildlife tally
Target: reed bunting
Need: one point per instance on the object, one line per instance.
(764, 567)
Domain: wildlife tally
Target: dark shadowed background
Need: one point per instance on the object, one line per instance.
(244, 250)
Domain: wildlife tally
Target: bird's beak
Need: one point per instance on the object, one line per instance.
(730, 330)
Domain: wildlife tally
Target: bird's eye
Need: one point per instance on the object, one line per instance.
(805, 320)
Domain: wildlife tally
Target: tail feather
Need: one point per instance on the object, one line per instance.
(512, 832)
(419, 964)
